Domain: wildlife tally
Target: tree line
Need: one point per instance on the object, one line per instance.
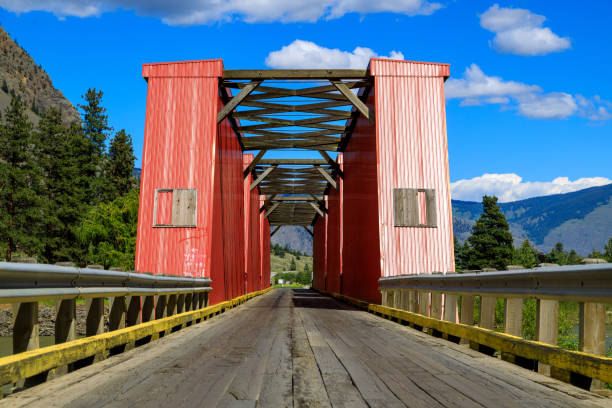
(66, 190)
(491, 246)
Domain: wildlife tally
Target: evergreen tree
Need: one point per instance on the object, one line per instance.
(526, 255)
(96, 128)
(491, 241)
(66, 187)
(120, 166)
(5, 86)
(109, 232)
(20, 176)
(462, 255)
(293, 265)
(608, 251)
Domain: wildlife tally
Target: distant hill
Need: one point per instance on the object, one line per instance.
(21, 76)
(295, 238)
(581, 220)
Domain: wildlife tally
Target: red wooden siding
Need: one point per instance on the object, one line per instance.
(319, 253)
(184, 148)
(252, 232)
(361, 251)
(264, 277)
(334, 235)
(412, 153)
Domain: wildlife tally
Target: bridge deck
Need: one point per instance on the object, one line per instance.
(299, 348)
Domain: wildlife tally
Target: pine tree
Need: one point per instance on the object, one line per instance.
(491, 240)
(120, 166)
(20, 179)
(293, 265)
(526, 255)
(96, 128)
(66, 186)
(608, 251)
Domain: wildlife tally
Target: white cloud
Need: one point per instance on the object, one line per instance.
(554, 105)
(519, 31)
(192, 12)
(475, 85)
(477, 88)
(511, 187)
(306, 54)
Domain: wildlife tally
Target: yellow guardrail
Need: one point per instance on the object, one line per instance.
(589, 365)
(30, 363)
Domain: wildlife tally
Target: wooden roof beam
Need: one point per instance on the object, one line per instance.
(332, 163)
(327, 177)
(357, 103)
(263, 74)
(254, 163)
(262, 176)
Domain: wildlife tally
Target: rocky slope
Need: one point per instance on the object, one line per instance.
(21, 76)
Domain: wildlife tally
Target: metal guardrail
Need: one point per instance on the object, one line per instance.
(35, 282)
(592, 283)
(446, 303)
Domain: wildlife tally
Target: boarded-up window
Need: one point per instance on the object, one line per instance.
(414, 207)
(175, 207)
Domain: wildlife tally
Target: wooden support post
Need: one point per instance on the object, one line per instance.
(413, 301)
(65, 320)
(188, 302)
(405, 299)
(436, 306)
(547, 322)
(592, 337)
(25, 327)
(467, 312)
(116, 318)
(160, 306)
(487, 312)
(171, 307)
(513, 316)
(195, 299)
(94, 323)
(180, 303)
(133, 311)
(424, 303)
(148, 309)
(450, 305)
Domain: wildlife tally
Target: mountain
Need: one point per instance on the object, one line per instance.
(21, 76)
(581, 220)
(295, 238)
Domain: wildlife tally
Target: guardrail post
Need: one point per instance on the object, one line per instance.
(203, 300)
(487, 308)
(94, 323)
(450, 304)
(133, 311)
(160, 306)
(424, 303)
(180, 303)
(171, 306)
(25, 335)
(436, 302)
(195, 299)
(116, 317)
(547, 322)
(148, 309)
(65, 327)
(188, 301)
(592, 338)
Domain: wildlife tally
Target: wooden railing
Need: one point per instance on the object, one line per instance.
(452, 298)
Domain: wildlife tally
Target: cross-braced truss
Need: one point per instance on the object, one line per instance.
(294, 109)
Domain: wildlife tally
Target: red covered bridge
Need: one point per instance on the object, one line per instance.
(380, 208)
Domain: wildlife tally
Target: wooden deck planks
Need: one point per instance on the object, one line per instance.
(303, 349)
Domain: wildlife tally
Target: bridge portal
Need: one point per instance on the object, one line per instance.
(377, 200)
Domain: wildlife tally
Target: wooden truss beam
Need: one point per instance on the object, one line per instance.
(332, 163)
(274, 231)
(359, 105)
(254, 163)
(308, 231)
(317, 209)
(235, 101)
(271, 210)
(262, 176)
(294, 74)
(295, 162)
(327, 177)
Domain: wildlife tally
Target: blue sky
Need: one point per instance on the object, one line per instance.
(528, 96)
